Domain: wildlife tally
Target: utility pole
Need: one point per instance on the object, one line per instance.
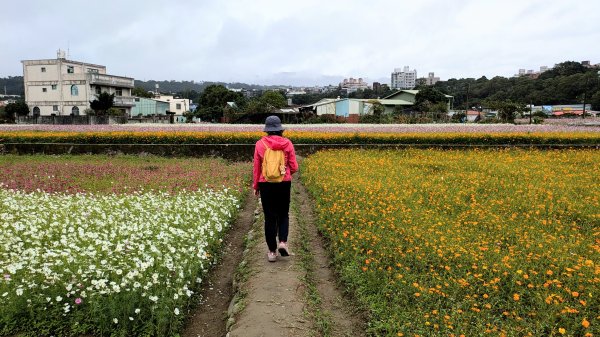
(530, 112)
(467, 107)
(585, 96)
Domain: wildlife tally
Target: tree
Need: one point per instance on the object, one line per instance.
(596, 101)
(427, 98)
(507, 110)
(377, 109)
(564, 69)
(274, 99)
(102, 103)
(19, 108)
(213, 100)
(141, 92)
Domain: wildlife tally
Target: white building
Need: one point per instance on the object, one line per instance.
(404, 78)
(176, 105)
(63, 87)
(352, 84)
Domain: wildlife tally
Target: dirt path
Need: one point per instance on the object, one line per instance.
(209, 317)
(274, 299)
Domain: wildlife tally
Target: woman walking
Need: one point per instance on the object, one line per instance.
(274, 164)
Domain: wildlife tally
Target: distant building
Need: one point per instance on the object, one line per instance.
(404, 78)
(431, 79)
(531, 73)
(292, 92)
(350, 109)
(176, 105)
(147, 107)
(352, 84)
(408, 96)
(64, 87)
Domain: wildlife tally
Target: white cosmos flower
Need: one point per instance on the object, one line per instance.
(81, 242)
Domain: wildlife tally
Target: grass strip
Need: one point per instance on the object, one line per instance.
(321, 318)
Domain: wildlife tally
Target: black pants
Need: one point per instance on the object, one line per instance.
(275, 198)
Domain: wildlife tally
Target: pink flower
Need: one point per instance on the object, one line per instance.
(78, 300)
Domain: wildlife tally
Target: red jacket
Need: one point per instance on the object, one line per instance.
(275, 143)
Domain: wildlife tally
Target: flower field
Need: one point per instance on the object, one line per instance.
(117, 250)
(565, 125)
(465, 243)
(482, 135)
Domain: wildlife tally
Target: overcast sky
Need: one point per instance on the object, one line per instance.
(303, 41)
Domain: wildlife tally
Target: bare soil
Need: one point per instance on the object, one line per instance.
(209, 317)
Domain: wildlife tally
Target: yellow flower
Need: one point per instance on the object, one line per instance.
(562, 331)
(516, 297)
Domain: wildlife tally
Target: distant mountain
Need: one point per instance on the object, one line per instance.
(299, 79)
(186, 86)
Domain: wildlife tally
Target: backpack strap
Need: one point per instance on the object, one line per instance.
(265, 144)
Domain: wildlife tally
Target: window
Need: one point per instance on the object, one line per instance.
(119, 92)
(75, 111)
(137, 99)
(70, 69)
(43, 69)
(44, 89)
(74, 90)
(178, 106)
(55, 108)
(98, 90)
(36, 111)
(54, 87)
(93, 71)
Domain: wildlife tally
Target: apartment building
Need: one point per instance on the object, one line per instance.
(352, 84)
(65, 87)
(431, 79)
(404, 78)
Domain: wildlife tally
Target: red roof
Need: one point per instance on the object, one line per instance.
(572, 112)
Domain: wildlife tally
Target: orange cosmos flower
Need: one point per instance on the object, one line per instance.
(585, 323)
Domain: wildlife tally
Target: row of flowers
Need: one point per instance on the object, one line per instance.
(116, 265)
(109, 245)
(301, 137)
(120, 174)
(566, 126)
(473, 243)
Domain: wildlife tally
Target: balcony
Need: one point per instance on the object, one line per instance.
(110, 80)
